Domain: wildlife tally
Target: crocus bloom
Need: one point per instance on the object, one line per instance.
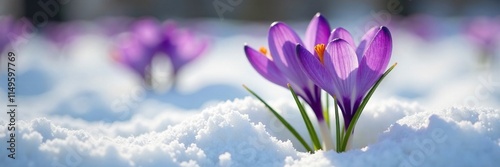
(148, 38)
(137, 49)
(485, 32)
(281, 65)
(346, 71)
(181, 46)
(7, 26)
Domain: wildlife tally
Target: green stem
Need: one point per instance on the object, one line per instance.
(307, 120)
(362, 107)
(337, 123)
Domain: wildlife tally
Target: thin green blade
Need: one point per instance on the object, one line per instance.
(362, 106)
(283, 121)
(307, 121)
(326, 114)
(337, 123)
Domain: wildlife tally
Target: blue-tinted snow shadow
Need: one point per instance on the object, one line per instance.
(195, 100)
(28, 83)
(90, 106)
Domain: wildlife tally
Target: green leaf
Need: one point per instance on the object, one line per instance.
(283, 121)
(326, 114)
(307, 121)
(337, 123)
(362, 106)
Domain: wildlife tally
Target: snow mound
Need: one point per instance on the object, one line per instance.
(457, 136)
(243, 133)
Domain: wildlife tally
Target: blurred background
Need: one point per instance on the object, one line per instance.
(258, 10)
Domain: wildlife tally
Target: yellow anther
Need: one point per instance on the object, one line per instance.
(320, 50)
(264, 51)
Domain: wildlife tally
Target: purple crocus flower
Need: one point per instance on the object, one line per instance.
(181, 46)
(485, 32)
(281, 65)
(346, 71)
(147, 38)
(424, 26)
(131, 53)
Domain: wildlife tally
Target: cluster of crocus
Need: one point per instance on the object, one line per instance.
(327, 60)
(148, 38)
(485, 33)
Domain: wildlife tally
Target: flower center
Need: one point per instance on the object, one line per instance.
(264, 51)
(320, 50)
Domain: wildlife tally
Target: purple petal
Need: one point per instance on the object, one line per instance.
(134, 55)
(340, 58)
(187, 48)
(342, 34)
(375, 60)
(314, 69)
(341, 61)
(264, 66)
(147, 31)
(181, 45)
(365, 41)
(317, 32)
(282, 40)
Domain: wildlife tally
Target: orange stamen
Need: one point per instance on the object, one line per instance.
(320, 50)
(264, 51)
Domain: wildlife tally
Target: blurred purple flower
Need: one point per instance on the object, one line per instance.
(8, 31)
(148, 37)
(111, 26)
(181, 46)
(485, 32)
(346, 71)
(61, 34)
(281, 65)
(424, 26)
(134, 55)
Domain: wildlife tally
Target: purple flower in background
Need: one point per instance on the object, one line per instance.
(132, 53)
(7, 29)
(137, 48)
(485, 32)
(148, 32)
(111, 26)
(281, 65)
(346, 71)
(148, 37)
(424, 26)
(181, 46)
(62, 34)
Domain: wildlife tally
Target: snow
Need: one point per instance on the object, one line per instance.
(79, 108)
(235, 133)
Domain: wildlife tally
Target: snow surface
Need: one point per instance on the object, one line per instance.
(241, 133)
(79, 108)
